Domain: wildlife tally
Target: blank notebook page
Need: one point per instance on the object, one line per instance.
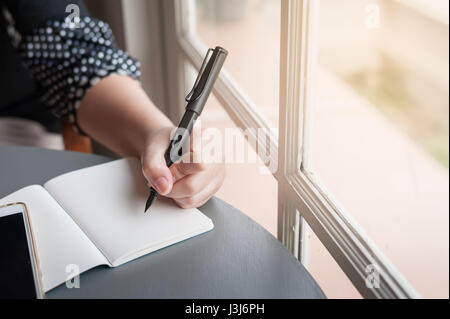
(59, 241)
(107, 201)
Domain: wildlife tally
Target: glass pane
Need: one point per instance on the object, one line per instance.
(327, 273)
(381, 131)
(250, 31)
(258, 197)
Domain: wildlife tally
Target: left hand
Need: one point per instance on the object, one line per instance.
(189, 184)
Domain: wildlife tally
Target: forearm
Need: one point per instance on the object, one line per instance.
(114, 110)
(117, 113)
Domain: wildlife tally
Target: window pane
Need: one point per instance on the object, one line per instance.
(381, 131)
(258, 197)
(250, 31)
(325, 270)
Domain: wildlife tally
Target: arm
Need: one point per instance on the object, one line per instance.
(118, 114)
(77, 71)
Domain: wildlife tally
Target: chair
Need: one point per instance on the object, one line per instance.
(74, 141)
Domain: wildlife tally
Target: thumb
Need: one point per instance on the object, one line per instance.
(155, 169)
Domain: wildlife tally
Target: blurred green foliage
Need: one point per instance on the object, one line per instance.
(386, 89)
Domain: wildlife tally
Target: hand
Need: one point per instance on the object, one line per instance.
(189, 184)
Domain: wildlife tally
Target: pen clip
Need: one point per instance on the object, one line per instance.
(200, 73)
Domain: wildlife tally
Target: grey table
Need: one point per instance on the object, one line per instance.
(238, 259)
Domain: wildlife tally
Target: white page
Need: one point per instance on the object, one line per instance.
(107, 201)
(59, 241)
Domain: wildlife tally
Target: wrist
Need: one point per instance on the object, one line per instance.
(153, 124)
(160, 132)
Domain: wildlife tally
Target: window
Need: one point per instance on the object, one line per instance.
(251, 31)
(380, 137)
(254, 65)
(259, 203)
(294, 93)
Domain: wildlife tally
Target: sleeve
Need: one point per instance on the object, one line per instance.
(65, 59)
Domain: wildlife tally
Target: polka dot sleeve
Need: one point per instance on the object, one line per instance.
(67, 61)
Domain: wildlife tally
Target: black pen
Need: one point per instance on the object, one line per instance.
(196, 100)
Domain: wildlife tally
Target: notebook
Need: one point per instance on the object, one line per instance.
(95, 216)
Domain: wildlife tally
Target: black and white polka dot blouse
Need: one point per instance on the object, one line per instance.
(66, 61)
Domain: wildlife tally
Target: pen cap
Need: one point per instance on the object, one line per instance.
(207, 80)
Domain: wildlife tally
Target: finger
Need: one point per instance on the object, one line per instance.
(185, 204)
(155, 169)
(189, 185)
(198, 199)
(185, 168)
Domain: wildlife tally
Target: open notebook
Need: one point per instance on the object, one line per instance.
(95, 216)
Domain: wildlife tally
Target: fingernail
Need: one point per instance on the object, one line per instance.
(161, 185)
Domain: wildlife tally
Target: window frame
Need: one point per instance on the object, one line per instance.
(298, 190)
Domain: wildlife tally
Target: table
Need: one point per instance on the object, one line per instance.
(238, 259)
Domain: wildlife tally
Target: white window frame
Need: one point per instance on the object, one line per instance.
(298, 190)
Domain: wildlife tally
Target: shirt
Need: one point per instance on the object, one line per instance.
(48, 61)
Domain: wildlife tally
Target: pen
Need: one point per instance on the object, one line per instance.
(196, 100)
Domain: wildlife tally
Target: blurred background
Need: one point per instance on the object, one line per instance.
(381, 131)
